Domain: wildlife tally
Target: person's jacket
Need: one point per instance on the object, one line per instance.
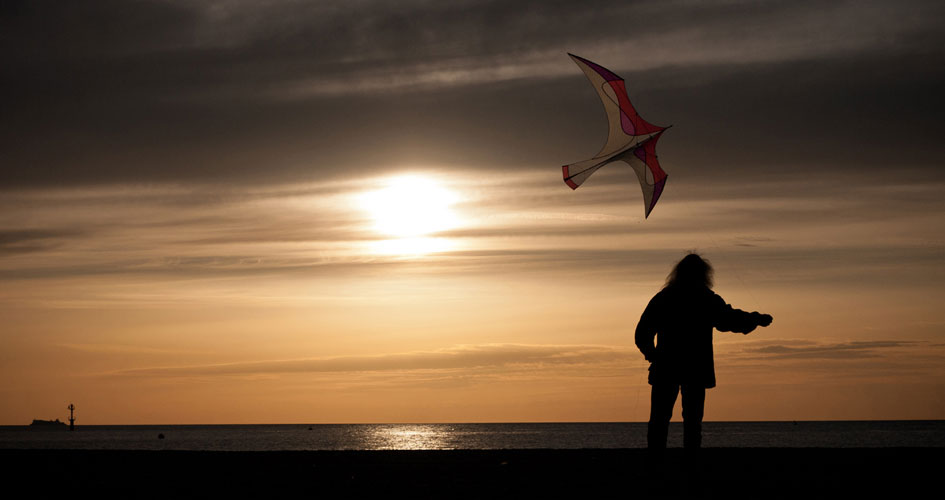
(681, 318)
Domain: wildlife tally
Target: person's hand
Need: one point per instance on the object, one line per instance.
(765, 320)
(761, 319)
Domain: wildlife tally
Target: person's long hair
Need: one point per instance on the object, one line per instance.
(691, 271)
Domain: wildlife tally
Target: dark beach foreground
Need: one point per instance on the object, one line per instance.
(598, 473)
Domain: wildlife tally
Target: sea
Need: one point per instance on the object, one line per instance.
(477, 436)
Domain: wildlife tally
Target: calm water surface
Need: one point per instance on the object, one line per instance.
(471, 436)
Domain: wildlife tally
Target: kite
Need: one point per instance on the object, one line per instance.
(631, 139)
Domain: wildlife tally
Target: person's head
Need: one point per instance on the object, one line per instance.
(692, 270)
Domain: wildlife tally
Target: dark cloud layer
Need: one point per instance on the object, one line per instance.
(112, 91)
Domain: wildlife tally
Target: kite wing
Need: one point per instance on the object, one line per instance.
(631, 138)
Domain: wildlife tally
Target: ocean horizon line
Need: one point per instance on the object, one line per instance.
(548, 422)
(483, 435)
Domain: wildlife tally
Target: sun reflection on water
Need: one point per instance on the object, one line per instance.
(409, 437)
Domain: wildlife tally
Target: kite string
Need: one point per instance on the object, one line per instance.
(754, 301)
(715, 245)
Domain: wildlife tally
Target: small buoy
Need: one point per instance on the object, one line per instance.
(160, 436)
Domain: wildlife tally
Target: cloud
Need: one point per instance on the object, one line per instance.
(828, 350)
(17, 241)
(249, 92)
(806, 363)
(530, 223)
(343, 47)
(465, 357)
(117, 349)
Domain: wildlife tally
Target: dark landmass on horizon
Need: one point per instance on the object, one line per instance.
(725, 472)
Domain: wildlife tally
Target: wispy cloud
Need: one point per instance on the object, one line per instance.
(149, 236)
(800, 361)
(464, 357)
(28, 240)
(116, 348)
(827, 350)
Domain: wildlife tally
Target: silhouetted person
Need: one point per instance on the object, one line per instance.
(681, 318)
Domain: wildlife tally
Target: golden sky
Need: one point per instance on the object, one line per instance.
(227, 212)
(291, 304)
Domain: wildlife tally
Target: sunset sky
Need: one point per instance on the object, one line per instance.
(311, 212)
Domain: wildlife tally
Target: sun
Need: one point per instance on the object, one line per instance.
(410, 209)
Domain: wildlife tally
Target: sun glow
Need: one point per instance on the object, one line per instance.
(410, 209)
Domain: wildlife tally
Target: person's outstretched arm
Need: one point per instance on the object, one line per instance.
(729, 319)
